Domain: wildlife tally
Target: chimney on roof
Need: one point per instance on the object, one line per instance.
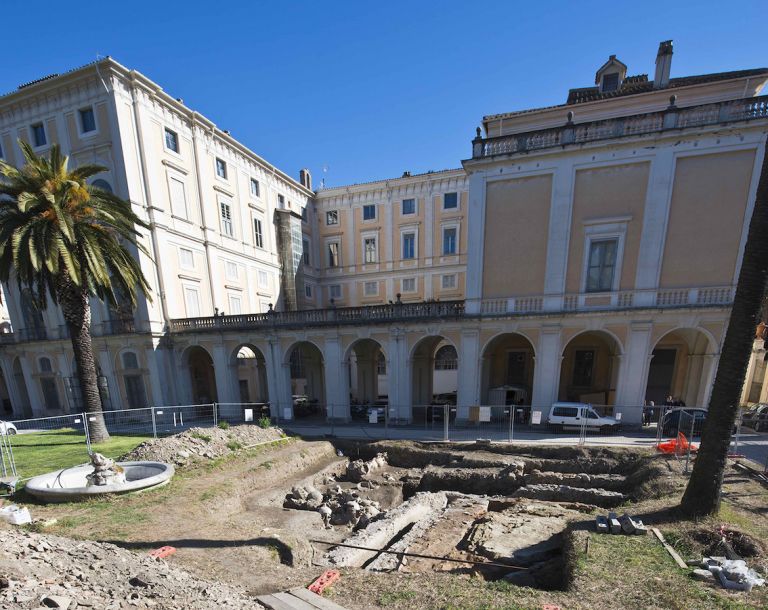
(305, 178)
(663, 65)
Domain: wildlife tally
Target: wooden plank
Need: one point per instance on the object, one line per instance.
(316, 600)
(273, 603)
(678, 560)
(294, 602)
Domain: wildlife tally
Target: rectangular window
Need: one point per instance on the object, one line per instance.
(334, 254)
(371, 289)
(583, 364)
(255, 190)
(409, 206)
(601, 265)
(192, 302)
(230, 270)
(226, 220)
(178, 198)
(450, 201)
(263, 279)
(611, 82)
(221, 168)
(369, 247)
(335, 291)
(258, 234)
(305, 251)
(308, 291)
(332, 217)
(171, 140)
(280, 201)
(38, 135)
(449, 240)
(449, 282)
(408, 284)
(186, 258)
(87, 120)
(304, 214)
(409, 245)
(369, 212)
(235, 305)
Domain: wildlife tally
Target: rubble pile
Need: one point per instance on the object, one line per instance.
(567, 493)
(730, 573)
(201, 444)
(357, 470)
(336, 506)
(613, 524)
(50, 571)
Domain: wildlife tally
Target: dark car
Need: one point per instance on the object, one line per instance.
(679, 419)
(756, 418)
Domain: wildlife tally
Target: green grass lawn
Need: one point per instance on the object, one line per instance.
(40, 452)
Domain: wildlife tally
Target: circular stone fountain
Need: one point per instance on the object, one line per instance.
(101, 476)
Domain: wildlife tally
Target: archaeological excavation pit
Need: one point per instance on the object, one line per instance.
(490, 509)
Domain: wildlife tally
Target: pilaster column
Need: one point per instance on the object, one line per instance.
(476, 241)
(336, 383)
(469, 373)
(156, 385)
(708, 370)
(546, 374)
(633, 371)
(108, 371)
(17, 406)
(558, 237)
(33, 388)
(223, 372)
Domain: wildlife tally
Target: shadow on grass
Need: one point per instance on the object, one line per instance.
(283, 551)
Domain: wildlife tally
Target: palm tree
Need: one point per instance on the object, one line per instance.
(702, 495)
(64, 239)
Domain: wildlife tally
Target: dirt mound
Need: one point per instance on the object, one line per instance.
(743, 544)
(201, 444)
(99, 575)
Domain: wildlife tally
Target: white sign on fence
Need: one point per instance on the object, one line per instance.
(536, 418)
(485, 414)
(287, 413)
(373, 417)
(618, 416)
(248, 414)
(158, 412)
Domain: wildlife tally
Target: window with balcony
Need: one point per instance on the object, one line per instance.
(332, 217)
(38, 135)
(601, 265)
(258, 233)
(221, 168)
(87, 120)
(235, 305)
(171, 140)
(192, 302)
(369, 212)
(409, 206)
(370, 250)
(449, 240)
(409, 246)
(334, 290)
(450, 201)
(227, 228)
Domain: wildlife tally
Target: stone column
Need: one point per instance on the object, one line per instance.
(108, 371)
(17, 406)
(708, 370)
(398, 380)
(159, 395)
(224, 375)
(633, 372)
(33, 388)
(546, 374)
(336, 383)
(279, 381)
(469, 373)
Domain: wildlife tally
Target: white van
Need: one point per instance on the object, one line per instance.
(577, 414)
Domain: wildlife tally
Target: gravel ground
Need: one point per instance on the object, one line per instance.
(201, 444)
(38, 570)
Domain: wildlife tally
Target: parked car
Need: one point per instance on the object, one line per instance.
(564, 415)
(304, 407)
(379, 407)
(8, 428)
(756, 418)
(671, 422)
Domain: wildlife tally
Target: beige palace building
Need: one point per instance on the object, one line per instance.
(585, 251)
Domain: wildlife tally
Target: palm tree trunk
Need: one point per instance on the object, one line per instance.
(702, 496)
(76, 308)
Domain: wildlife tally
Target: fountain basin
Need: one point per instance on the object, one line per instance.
(70, 484)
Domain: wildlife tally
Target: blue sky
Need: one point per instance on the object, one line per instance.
(369, 90)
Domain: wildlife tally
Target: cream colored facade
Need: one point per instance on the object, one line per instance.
(593, 249)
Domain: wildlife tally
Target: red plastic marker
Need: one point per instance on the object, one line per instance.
(162, 552)
(326, 580)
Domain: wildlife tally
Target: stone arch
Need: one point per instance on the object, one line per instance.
(202, 375)
(307, 378)
(508, 362)
(367, 381)
(682, 366)
(250, 367)
(590, 367)
(426, 382)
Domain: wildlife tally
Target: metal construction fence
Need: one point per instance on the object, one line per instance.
(47, 443)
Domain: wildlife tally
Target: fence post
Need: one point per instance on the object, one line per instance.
(688, 453)
(87, 431)
(154, 423)
(511, 422)
(446, 418)
(215, 415)
(738, 431)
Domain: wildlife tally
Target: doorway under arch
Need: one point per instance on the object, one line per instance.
(307, 378)
(202, 376)
(434, 371)
(590, 368)
(251, 370)
(507, 370)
